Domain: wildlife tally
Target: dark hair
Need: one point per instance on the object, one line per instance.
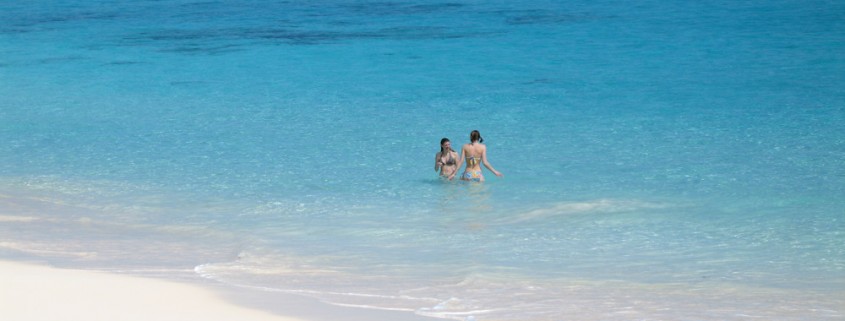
(443, 141)
(475, 136)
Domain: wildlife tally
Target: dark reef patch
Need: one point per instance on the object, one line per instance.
(399, 8)
(58, 60)
(541, 16)
(192, 41)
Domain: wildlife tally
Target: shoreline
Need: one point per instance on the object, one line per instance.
(34, 291)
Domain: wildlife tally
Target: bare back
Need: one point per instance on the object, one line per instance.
(474, 155)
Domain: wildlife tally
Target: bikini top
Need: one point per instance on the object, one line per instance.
(451, 160)
(472, 161)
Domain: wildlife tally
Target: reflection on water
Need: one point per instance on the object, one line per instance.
(465, 205)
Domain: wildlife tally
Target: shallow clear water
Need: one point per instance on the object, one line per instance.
(662, 160)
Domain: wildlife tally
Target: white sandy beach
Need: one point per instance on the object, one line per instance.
(34, 292)
(30, 292)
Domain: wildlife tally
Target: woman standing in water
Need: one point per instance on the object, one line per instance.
(475, 154)
(445, 160)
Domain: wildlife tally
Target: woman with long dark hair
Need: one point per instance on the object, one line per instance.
(446, 160)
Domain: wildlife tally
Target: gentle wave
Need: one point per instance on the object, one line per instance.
(598, 206)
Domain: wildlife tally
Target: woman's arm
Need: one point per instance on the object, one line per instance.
(487, 164)
(458, 164)
(437, 162)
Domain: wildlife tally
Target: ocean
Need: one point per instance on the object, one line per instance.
(662, 160)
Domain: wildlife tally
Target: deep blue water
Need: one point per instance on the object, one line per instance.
(662, 160)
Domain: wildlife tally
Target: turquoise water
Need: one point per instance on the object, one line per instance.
(677, 160)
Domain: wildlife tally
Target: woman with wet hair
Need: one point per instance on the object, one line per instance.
(445, 161)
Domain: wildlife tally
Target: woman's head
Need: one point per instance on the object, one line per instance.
(445, 144)
(475, 136)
